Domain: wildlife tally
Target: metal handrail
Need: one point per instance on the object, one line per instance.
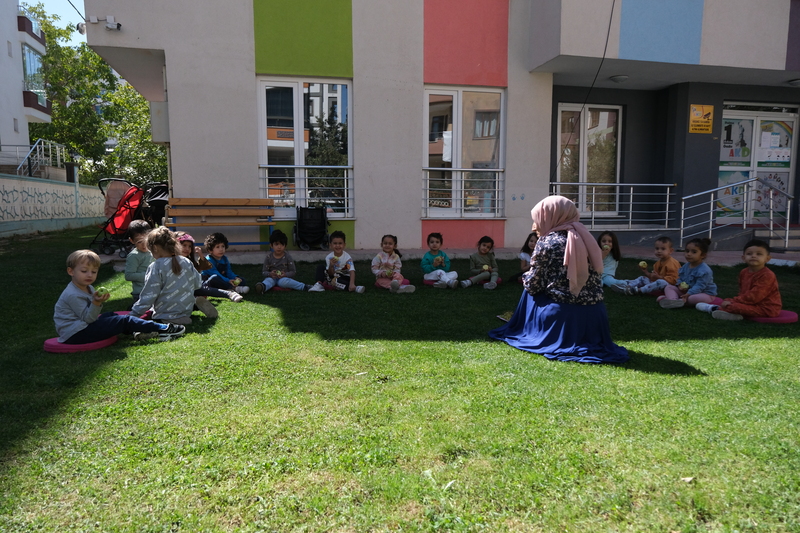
(44, 152)
(458, 204)
(712, 221)
(624, 202)
(300, 190)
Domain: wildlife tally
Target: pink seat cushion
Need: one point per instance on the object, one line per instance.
(499, 281)
(53, 346)
(280, 289)
(784, 317)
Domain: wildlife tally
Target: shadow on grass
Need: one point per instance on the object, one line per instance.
(654, 364)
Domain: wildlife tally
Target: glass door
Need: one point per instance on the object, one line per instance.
(755, 145)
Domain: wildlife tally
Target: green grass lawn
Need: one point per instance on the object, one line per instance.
(380, 412)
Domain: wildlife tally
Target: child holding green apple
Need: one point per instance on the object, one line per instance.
(78, 317)
(665, 272)
(483, 265)
(695, 283)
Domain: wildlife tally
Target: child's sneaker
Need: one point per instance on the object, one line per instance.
(394, 285)
(406, 289)
(340, 286)
(452, 284)
(631, 291)
(145, 335)
(719, 314)
(466, 283)
(317, 287)
(234, 296)
(490, 286)
(441, 284)
(172, 332)
(242, 290)
(360, 289)
(205, 307)
(706, 308)
(670, 304)
(260, 288)
(619, 287)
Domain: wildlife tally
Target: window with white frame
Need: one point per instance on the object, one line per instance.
(589, 151)
(305, 160)
(463, 168)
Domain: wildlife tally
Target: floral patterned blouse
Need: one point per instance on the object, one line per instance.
(549, 275)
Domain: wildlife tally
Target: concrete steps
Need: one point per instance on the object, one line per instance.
(777, 243)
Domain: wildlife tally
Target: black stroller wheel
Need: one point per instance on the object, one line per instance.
(305, 247)
(108, 249)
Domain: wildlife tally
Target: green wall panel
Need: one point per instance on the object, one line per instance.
(287, 226)
(304, 37)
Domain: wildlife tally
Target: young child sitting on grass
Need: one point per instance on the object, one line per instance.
(695, 283)
(338, 269)
(279, 267)
(758, 288)
(386, 267)
(483, 265)
(221, 275)
(665, 271)
(170, 281)
(436, 265)
(139, 258)
(609, 246)
(78, 316)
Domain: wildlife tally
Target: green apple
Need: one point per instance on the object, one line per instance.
(643, 264)
(101, 291)
(486, 267)
(684, 285)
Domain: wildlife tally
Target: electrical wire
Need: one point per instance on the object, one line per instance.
(588, 93)
(81, 14)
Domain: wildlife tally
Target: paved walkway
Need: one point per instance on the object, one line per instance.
(724, 258)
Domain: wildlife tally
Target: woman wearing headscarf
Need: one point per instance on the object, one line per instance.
(561, 314)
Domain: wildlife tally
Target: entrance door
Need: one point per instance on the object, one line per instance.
(756, 142)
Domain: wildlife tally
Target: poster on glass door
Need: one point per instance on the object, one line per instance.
(766, 188)
(735, 149)
(775, 144)
(731, 197)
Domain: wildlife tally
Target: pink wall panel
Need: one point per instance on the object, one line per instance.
(464, 233)
(466, 42)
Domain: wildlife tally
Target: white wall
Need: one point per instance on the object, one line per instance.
(211, 88)
(210, 75)
(387, 110)
(11, 106)
(528, 129)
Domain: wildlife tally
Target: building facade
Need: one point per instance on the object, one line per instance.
(457, 116)
(22, 91)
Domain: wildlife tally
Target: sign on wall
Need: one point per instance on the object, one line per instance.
(701, 118)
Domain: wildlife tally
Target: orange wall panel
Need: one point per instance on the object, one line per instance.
(464, 233)
(466, 42)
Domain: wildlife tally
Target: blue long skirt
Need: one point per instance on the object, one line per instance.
(566, 332)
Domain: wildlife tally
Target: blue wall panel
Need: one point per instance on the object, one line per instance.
(667, 31)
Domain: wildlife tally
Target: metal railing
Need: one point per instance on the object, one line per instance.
(707, 211)
(42, 153)
(621, 206)
(463, 192)
(293, 186)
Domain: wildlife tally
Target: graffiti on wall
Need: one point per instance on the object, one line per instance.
(25, 200)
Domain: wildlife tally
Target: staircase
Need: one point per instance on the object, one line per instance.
(776, 241)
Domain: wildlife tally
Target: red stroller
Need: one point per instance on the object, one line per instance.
(124, 202)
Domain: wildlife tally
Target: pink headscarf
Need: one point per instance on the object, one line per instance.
(556, 213)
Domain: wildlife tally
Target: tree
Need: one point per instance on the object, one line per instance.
(77, 83)
(135, 157)
(327, 146)
(91, 105)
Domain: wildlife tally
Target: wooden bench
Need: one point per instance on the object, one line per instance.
(198, 212)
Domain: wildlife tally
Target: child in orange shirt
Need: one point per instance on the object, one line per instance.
(758, 288)
(665, 271)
